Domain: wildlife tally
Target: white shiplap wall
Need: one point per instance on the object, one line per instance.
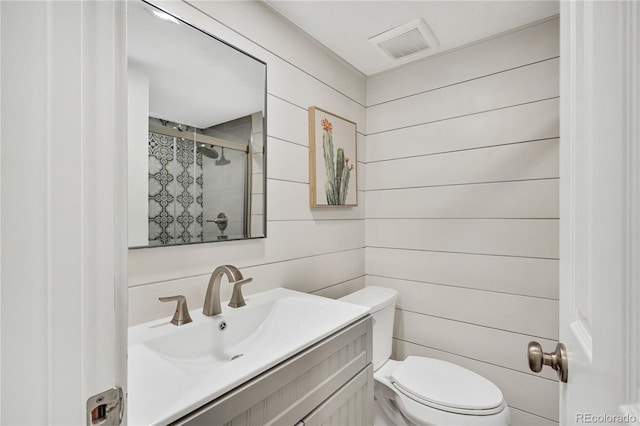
(462, 197)
(462, 208)
(319, 251)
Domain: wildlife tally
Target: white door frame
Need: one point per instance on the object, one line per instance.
(600, 207)
(63, 202)
(632, 131)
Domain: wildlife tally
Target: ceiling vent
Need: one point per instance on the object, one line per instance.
(413, 39)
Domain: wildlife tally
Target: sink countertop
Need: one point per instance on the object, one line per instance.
(175, 370)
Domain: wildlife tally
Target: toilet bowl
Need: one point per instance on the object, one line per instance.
(420, 390)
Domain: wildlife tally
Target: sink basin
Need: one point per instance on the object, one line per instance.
(264, 327)
(201, 347)
(174, 370)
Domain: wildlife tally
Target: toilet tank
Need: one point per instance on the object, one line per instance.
(382, 302)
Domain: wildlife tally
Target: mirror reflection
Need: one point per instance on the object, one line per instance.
(196, 134)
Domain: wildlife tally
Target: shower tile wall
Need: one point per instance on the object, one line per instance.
(225, 181)
(224, 193)
(175, 191)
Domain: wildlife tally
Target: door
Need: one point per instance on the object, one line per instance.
(63, 209)
(599, 210)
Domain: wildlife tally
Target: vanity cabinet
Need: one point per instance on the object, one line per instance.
(351, 405)
(329, 383)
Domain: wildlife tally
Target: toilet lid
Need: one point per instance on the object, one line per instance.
(446, 386)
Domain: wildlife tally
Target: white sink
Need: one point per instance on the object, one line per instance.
(174, 370)
(203, 346)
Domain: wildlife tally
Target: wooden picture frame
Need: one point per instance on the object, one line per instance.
(333, 153)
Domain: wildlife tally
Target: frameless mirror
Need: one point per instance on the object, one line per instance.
(196, 134)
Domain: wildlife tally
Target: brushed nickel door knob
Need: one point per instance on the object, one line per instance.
(557, 360)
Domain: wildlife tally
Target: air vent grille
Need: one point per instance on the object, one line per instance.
(413, 39)
(405, 44)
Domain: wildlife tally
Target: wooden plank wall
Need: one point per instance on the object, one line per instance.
(462, 208)
(461, 197)
(319, 251)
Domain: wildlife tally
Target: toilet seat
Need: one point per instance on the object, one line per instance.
(445, 386)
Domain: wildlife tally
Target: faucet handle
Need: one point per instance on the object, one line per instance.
(181, 316)
(237, 300)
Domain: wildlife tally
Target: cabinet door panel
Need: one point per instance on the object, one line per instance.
(352, 404)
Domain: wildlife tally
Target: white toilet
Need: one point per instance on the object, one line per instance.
(419, 390)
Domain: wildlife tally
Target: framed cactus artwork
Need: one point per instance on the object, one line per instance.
(333, 179)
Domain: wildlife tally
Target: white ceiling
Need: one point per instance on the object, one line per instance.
(345, 26)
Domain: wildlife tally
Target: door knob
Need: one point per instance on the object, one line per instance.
(557, 360)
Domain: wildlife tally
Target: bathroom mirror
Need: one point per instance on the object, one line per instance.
(196, 134)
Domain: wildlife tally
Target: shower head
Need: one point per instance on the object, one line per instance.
(222, 161)
(207, 151)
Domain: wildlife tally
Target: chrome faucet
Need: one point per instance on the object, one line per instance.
(212, 299)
